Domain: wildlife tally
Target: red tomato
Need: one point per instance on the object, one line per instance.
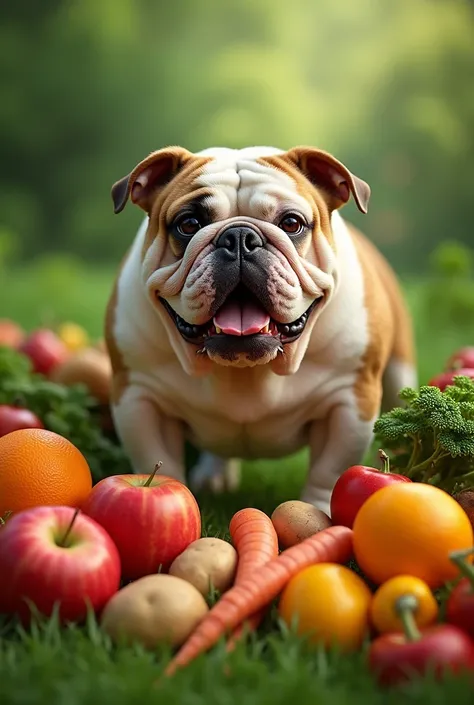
(45, 349)
(354, 486)
(460, 606)
(460, 603)
(442, 649)
(463, 358)
(446, 378)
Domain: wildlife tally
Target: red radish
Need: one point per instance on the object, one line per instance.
(460, 604)
(14, 418)
(50, 554)
(441, 649)
(45, 349)
(463, 358)
(356, 485)
(444, 379)
(152, 519)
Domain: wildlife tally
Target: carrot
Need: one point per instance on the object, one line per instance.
(256, 542)
(332, 545)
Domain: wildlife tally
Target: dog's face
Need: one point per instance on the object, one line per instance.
(239, 258)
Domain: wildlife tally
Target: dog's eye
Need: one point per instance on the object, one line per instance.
(292, 224)
(188, 226)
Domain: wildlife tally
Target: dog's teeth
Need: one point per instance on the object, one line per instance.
(218, 330)
(266, 329)
(280, 349)
(201, 351)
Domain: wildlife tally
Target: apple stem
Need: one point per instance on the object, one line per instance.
(3, 519)
(385, 462)
(459, 559)
(150, 479)
(62, 542)
(405, 607)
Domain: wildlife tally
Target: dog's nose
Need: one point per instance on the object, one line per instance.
(239, 240)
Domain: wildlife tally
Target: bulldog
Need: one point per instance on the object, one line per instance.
(250, 318)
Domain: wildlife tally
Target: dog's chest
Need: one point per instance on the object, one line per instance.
(252, 415)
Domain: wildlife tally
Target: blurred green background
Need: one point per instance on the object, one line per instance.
(88, 88)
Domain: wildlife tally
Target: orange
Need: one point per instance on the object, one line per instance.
(39, 467)
(329, 604)
(410, 529)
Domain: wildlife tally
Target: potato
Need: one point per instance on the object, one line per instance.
(207, 561)
(152, 610)
(295, 521)
(87, 366)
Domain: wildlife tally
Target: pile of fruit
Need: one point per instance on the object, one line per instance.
(391, 571)
(129, 548)
(65, 355)
(60, 380)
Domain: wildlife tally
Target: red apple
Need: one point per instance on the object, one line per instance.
(355, 486)
(55, 554)
(151, 519)
(444, 379)
(11, 334)
(45, 350)
(13, 418)
(462, 358)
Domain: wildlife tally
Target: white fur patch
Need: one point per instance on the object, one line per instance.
(243, 186)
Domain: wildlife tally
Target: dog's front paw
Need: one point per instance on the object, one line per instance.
(215, 474)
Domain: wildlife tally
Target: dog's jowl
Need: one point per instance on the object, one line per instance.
(249, 318)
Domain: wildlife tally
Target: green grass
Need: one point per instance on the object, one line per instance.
(49, 666)
(79, 665)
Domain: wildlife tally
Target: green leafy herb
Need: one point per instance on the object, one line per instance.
(69, 411)
(432, 435)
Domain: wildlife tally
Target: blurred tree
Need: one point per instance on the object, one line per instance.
(89, 88)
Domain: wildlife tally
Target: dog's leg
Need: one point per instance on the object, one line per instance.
(148, 435)
(215, 473)
(397, 374)
(335, 445)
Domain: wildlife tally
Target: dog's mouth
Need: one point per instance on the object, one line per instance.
(241, 316)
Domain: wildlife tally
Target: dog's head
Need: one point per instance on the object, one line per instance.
(239, 258)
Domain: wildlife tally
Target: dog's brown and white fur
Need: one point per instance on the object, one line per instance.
(221, 223)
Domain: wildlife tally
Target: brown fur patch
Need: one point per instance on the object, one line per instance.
(389, 325)
(119, 370)
(319, 206)
(172, 197)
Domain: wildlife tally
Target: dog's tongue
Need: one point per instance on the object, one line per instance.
(241, 317)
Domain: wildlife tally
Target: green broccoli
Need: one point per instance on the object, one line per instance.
(432, 434)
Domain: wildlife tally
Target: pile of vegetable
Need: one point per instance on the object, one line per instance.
(134, 554)
(389, 572)
(430, 436)
(433, 434)
(67, 407)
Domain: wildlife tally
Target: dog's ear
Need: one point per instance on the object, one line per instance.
(323, 170)
(151, 173)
